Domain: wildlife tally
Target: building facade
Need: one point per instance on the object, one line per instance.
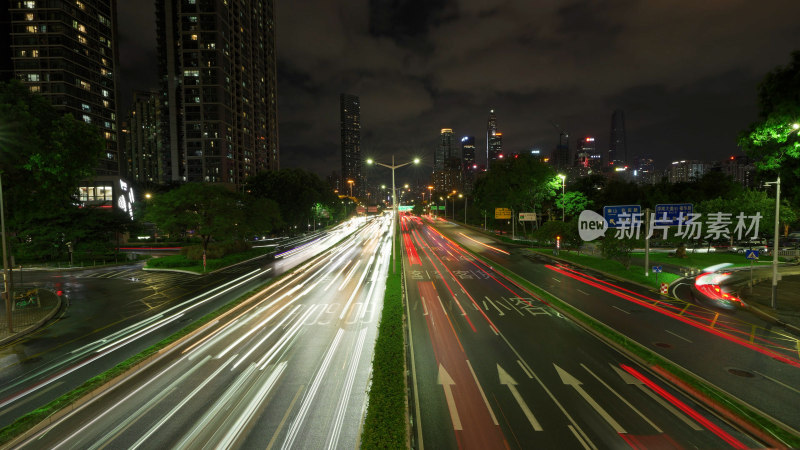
(469, 167)
(494, 140)
(685, 171)
(350, 130)
(618, 145)
(67, 52)
(218, 69)
(144, 160)
(447, 163)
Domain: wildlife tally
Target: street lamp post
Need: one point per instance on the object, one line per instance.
(394, 201)
(350, 182)
(430, 198)
(465, 207)
(777, 183)
(563, 204)
(6, 278)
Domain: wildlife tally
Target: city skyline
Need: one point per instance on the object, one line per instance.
(685, 79)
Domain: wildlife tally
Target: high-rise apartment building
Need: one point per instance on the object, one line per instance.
(494, 140)
(144, 160)
(469, 167)
(560, 158)
(218, 70)
(618, 147)
(350, 128)
(67, 52)
(586, 154)
(685, 171)
(447, 163)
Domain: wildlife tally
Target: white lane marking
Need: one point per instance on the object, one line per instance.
(679, 336)
(630, 379)
(620, 309)
(483, 395)
(291, 435)
(778, 382)
(495, 306)
(646, 419)
(357, 288)
(578, 437)
(570, 380)
(341, 408)
(556, 279)
(522, 366)
(424, 306)
(333, 280)
(582, 292)
(506, 379)
(447, 383)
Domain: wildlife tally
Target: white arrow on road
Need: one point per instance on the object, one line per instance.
(630, 379)
(575, 383)
(506, 379)
(447, 383)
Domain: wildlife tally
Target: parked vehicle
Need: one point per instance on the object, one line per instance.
(759, 244)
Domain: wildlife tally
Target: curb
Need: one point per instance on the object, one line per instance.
(30, 329)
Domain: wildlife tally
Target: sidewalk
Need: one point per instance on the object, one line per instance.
(29, 313)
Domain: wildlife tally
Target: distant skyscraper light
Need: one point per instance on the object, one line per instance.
(350, 127)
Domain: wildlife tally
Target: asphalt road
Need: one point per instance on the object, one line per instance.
(113, 313)
(733, 350)
(494, 366)
(288, 368)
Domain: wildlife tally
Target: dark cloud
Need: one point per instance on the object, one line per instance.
(685, 74)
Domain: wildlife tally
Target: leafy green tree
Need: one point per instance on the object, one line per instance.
(573, 202)
(522, 184)
(751, 202)
(773, 141)
(618, 249)
(296, 191)
(203, 210)
(43, 155)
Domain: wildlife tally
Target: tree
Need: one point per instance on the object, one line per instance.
(43, 154)
(203, 210)
(773, 141)
(750, 202)
(573, 202)
(296, 191)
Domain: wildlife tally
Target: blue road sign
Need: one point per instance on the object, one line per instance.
(658, 269)
(751, 254)
(612, 213)
(673, 211)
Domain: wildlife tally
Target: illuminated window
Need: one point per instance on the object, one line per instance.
(80, 5)
(107, 135)
(191, 73)
(33, 77)
(194, 37)
(35, 88)
(28, 16)
(85, 107)
(105, 92)
(192, 19)
(81, 39)
(87, 119)
(30, 4)
(35, 53)
(85, 85)
(106, 103)
(31, 29)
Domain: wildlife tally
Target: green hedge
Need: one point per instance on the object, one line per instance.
(385, 424)
(184, 263)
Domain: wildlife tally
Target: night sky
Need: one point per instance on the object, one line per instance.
(685, 76)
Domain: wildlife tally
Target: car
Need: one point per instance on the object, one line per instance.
(710, 287)
(758, 244)
(699, 247)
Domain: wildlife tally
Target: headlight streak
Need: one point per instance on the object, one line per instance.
(133, 337)
(284, 340)
(349, 275)
(247, 415)
(341, 408)
(136, 415)
(101, 415)
(266, 336)
(357, 288)
(201, 425)
(311, 393)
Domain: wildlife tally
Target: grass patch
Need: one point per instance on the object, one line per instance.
(703, 260)
(385, 423)
(616, 268)
(181, 262)
(651, 358)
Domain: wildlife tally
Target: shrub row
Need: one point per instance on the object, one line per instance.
(215, 250)
(385, 424)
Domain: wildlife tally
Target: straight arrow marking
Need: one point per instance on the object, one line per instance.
(568, 379)
(447, 383)
(506, 379)
(623, 399)
(630, 379)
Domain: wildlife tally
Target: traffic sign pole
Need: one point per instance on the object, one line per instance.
(647, 243)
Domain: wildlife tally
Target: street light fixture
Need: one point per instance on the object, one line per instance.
(393, 166)
(350, 182)
(563, 203)
(777, 183)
